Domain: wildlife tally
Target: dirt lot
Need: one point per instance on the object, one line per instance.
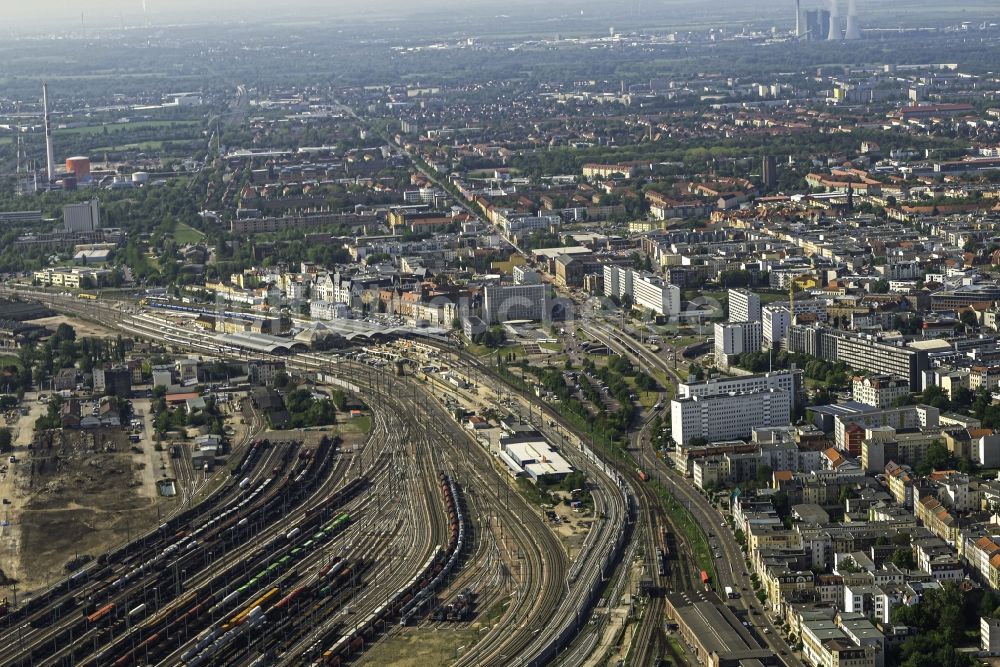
(81, 495)
(83, 328)
(421, 647)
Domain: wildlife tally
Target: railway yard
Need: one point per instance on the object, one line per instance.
(406, 541)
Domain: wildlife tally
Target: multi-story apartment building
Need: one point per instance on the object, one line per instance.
(826, 645)
(861, 352)
(901, 418)
(880, 391)
(883, 445)
(607, 170)
(525, 224)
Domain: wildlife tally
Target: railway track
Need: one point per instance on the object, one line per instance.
(155, 582)
(545, 584)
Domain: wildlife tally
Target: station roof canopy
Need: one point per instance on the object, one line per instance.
(262, 342)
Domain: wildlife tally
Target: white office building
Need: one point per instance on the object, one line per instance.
(82, 217)
(728, 416)
(744, 306)
(525, 276)
(735, 338)
(790, 381)
(617, 281)
(521, 224)
(644, 289)
(514, 302)
(775, 321)
(655, 294)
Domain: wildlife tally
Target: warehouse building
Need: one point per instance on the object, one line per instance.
(713, 631)
(534, 458)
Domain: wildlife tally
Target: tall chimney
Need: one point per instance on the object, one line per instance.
(798, 18)
(49, 150)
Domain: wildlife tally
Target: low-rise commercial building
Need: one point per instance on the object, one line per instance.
(534, 458)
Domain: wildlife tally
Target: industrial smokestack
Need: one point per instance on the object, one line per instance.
(853, 30)
(835, 33)
(49, 150)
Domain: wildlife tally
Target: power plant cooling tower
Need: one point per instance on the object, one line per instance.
(853, 30)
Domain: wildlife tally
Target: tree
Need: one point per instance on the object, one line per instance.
(339, 399)
(763, 476)
(938, 458)
(936, 397)
(903, 559)
(847, 492)
(963, 399)
(281, 379)
(6, 441)
(941, 619)
(823, 397)
(880, 286)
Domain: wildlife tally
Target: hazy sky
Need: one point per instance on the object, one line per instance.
(66, 14)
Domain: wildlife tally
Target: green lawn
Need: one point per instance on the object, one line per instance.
(143, 146)
(480, 350)
(694, 533)
(647, 399)
(665, 382)
(771, 297)
(9, 360)
(348, 425)
(184, 233)
(142, 125)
